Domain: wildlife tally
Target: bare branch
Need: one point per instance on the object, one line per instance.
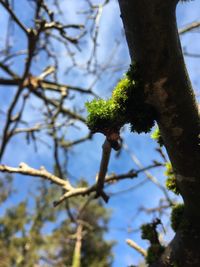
(44, 84)
(65, 184)
(56, 104)
(14, 17)
(42, 172)
(134, 245)
(106, 150)
(8, 70)
(66, 144)
(190, 27)
(152, 178)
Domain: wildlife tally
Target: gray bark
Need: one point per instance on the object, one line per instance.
(153, 41)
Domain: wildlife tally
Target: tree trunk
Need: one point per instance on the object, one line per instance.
(76, 262)
(153, 40)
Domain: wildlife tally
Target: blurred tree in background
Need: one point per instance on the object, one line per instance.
(42, 236)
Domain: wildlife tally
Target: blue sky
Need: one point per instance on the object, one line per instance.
(124, 206)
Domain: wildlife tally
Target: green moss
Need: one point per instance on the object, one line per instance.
(156, 135)
(121, 92)
(177, 216)
(127, 105)
(153, 253)
(142, 121)
(171, 182)
(102, 115)
(148, 231)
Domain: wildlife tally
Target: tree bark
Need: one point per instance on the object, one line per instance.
(76, 261)
(153, 41)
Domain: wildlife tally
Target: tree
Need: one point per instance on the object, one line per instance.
(156, 88)
(24, 242)
(169, 91)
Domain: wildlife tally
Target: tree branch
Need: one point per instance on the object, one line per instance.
(14, 17)
(106, 150)
(134, 245)
(24, 169)
(189, 27)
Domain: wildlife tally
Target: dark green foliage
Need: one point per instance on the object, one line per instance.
(171, 183)
(6, 188)
(150, 233)
(140, 114)
(147, 231)
(96, 252)
(45, 236)
(177, 216)
(154, 252)
(156, 135)
(127, 105)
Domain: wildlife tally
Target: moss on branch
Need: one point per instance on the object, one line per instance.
(126, 105)
(150, 233)
(171, 182)
(156, 135)
(154, 252)
(177, 216)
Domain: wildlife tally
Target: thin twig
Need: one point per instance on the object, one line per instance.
(189, 27)
(106, 150)
(14, 17)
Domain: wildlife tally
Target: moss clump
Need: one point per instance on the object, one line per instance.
(154, 252)
(127, 105)
(121, 93)
(102, 114)
(171, 182)
(177, 216)
(156, 135)
(148, 232)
